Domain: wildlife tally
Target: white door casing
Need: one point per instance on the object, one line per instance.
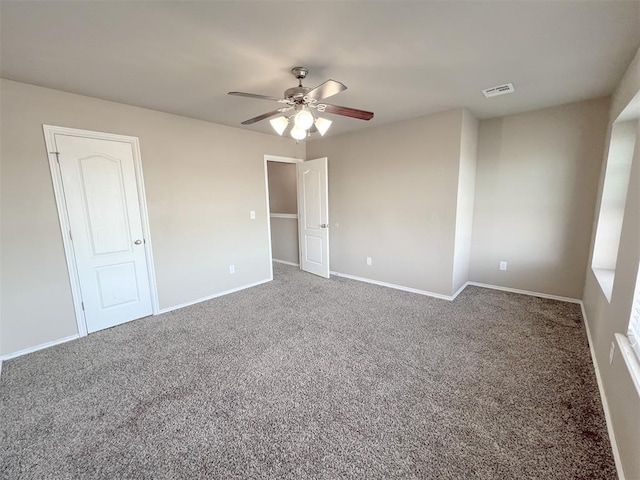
(104, 212)
(313, 216)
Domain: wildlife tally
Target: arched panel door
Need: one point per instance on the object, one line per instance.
(103, 209)
(313, 216)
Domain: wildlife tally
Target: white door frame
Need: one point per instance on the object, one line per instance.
(275, 158)
(58, 189)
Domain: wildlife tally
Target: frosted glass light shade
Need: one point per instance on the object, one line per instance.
(303, 119)
(298, 133)
(279, 124)
(322, 124)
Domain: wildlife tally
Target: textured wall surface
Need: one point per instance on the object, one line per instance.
(536, 187)
(607, 318)
(392, 197)
(201, 181)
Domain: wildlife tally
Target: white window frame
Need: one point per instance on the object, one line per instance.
(630, 343)
(634, 320)
(613, 199)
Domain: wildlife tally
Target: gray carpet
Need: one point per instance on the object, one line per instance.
(311, 378)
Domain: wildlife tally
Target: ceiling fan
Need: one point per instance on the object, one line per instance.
(301, 102)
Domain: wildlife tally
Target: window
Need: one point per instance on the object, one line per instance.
(630, 344)
(622, 144)
(612, 204)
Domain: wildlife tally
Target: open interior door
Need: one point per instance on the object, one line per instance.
(313, 216)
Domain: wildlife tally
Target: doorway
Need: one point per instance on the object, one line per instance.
(283, 211)
(101, 204)
(298, 209)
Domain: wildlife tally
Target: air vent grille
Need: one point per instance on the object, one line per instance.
(499, 90)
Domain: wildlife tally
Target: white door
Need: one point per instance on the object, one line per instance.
(102, 202)
(313, 216)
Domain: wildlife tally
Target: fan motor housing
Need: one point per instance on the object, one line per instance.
(296, 93)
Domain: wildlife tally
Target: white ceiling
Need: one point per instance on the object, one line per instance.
(398, 59)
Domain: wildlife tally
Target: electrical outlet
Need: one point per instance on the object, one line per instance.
(252, 214)
(369, 262)
(232, 269)
(503, 265)
(612, 352)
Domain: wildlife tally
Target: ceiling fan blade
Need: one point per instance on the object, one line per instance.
(261, 97)
(348, 112)
(326, 89)
(272, 113)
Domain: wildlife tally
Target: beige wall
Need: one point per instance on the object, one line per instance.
(201, 180)
(398, 193)
(283, 198)
(607, 318)
(392, 197)
(283, 194)
(284, 240)
(465, 200)
(536, 187)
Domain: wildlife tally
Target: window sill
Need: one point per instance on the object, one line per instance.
(630, 358)
(605, 279)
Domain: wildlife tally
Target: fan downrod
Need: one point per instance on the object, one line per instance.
(296, 94)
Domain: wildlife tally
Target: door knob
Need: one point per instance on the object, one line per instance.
(138, 242)
(324, 225)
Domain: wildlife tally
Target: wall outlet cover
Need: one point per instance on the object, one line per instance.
(369, 261)
(503, 265)
(232, 269)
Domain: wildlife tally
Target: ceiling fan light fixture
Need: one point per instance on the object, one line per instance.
(323, 124)
(279, 124)
(303, 119)
(301, 101)
(298, 133)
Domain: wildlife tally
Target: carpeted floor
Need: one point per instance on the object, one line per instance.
(311, 378)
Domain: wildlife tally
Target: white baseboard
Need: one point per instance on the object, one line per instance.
(215, 295)
(19, 353)
(398, 287)
(525, 292)
(74, 337)
(455, 295)
(603, 397)
(460, 290)
(285, 262)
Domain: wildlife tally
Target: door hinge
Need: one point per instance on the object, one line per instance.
(57, 154)
(70, 236)
(82, 306)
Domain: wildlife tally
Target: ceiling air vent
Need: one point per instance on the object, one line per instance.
(499, 90)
